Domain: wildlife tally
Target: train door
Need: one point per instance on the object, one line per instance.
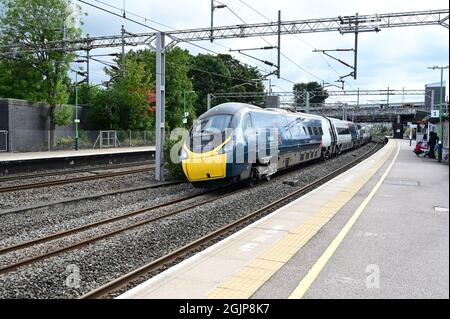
(333, 134)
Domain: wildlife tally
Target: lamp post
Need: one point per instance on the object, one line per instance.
(77, 121)
(441, 98)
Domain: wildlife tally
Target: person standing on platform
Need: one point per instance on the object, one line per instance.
(432, 143)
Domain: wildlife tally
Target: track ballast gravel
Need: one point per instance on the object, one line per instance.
(72, 274)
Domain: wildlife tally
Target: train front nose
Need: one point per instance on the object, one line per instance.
(200, 167)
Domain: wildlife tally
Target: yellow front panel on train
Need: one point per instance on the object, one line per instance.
(202, 168)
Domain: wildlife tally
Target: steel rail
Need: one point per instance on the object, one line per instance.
(12, 267)
(89, 197)
(73, 171)
(69, 181)
(163, 261)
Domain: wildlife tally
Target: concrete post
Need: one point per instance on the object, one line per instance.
(123, 51)
(160, 105)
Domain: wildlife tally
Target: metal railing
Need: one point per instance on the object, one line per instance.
(43, 140)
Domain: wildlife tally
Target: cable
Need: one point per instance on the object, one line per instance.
(215, 74)
(253, 9)
(284, 55)
(188, 42)
(145, 25)
(296, 36)
(137, 22)
(134, 14)
(236, 15)
(161, 24)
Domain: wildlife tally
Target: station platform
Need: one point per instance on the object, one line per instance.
(25, 162)
(380, 230)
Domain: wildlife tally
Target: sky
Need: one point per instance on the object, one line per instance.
(395, 57)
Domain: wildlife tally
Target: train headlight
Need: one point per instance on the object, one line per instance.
(184, 155)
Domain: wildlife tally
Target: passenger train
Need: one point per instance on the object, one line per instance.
(236, 142)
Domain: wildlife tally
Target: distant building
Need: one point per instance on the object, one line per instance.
(434, 89)
(272, 101)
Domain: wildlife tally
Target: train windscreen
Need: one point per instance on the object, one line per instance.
(210, 132)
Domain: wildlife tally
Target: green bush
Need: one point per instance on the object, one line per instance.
(66, 141)
(175, 169)
(63, 115)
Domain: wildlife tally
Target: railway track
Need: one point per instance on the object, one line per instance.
(80, 244)
(84, 198)
(70, 180)
(166, 260)
(72, 171)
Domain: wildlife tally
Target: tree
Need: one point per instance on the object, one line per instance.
(180, 93)
(125, 105)
(222, 74)
(19, 81)
(85, 93)
(318, 94)
(245, 78)
(209, 74)
(33, 24)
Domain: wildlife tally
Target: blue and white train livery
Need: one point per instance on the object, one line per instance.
(236, 142)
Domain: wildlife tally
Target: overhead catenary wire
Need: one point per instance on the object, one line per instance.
(134, 14)
(282, 54)
(301, 40)
(188, 42)
(145, 19)
(295, 36)
(145, 25)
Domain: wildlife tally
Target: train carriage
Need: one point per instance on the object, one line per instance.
(236, 142)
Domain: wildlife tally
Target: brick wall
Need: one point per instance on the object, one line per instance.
(28, 125)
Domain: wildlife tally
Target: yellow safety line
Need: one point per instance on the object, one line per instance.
(243, 284)
(314, 272)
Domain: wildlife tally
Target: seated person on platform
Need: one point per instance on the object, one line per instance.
(421, 147)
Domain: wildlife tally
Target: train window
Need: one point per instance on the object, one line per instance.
(310, 131)
(271, 121)
(213, 123)
(262, 120)
(343, 131)
(297, 132)
(316, 131)
(247, 123)
(283, 127)
(320, 131)
(304, 129)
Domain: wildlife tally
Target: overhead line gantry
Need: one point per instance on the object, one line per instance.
(355, 24)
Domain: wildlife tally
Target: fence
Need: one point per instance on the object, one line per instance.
(41, 140)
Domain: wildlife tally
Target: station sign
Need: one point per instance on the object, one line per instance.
(434, 113)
